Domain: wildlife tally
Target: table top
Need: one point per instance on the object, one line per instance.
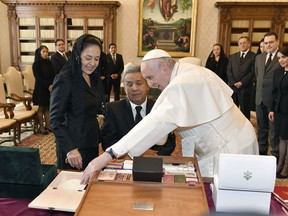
(124, 197)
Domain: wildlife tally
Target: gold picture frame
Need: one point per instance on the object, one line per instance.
(169, 25)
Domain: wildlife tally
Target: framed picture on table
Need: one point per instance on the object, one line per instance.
(169, 25)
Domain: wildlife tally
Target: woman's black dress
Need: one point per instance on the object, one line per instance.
(44, 75)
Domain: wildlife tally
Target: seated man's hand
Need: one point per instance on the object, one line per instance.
(74, 158)
(95, 165)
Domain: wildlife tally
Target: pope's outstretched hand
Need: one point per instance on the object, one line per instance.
(95, 165)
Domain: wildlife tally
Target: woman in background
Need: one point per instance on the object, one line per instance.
(279, 110)
(44, 74)
(217, 62)
(261, 47)
(76, 100)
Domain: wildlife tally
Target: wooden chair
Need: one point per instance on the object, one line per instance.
(7, 123)
(15, 89)
(29, 79)
(23, 112)
(192, 60)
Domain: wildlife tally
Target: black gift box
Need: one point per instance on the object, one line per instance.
(147, 169)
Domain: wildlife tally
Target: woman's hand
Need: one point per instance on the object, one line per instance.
(74, 158)
(95, 165)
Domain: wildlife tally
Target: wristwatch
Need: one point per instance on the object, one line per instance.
(111, 153)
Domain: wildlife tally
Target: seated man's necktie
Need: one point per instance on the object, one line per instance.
(138, 117)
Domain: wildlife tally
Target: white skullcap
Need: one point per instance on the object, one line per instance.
(156, 53)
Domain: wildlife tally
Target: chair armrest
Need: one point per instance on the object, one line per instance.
(26, 100)
(8, 110)
(29, 91)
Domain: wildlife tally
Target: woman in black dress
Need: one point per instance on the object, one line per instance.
(44, 74)
(217, 62)
(279, 111)
(76, 99)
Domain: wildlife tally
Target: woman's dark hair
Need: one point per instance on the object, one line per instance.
(38, 52)
(73, 68)
(212, 56)
(259, 49)
(74, 63)
(283, 50)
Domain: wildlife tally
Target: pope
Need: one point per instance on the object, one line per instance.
(195, 102)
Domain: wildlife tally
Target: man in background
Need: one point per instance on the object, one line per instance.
(240, 73)
(59, 59)
(115, 68)
(265, 65)
(121, 116)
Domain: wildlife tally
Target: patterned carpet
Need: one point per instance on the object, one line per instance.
(46, 145)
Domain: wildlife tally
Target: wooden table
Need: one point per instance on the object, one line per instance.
(119, 197)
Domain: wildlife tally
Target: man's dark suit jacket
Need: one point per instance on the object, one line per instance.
(241, 72)
(119, 120)
(264, 84)
(115, 68)
(58, 61)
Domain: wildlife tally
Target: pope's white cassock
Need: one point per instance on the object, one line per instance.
(198, 104)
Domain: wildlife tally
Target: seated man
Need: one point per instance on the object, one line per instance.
(121, 116)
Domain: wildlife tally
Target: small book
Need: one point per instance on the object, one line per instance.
(281, 192)
(115, 164)
(179, 179)
(168, 178)
(128, 164)
(107, 175)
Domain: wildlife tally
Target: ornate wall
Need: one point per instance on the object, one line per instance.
(4, 40)
(127, 30)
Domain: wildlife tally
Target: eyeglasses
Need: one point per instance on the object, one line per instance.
(269, 42)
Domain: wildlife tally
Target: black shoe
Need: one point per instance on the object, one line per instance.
(43, 132)
(49, 129)
(279, 176)
(278, 172)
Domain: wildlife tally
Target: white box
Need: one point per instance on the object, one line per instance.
(243, 183)
(64, 193)
(241, 201)
(246, 172)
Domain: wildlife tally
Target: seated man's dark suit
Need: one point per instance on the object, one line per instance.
(58, 61)
(119, 121)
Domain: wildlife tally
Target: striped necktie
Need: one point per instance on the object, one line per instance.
(114, 58)
(268, 61)
(64, 55)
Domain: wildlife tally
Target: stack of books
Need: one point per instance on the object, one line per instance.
(281, 195)
(120, 169)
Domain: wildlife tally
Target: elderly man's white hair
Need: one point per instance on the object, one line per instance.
(130, 68)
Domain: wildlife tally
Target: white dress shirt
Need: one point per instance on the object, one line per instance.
(143, 110)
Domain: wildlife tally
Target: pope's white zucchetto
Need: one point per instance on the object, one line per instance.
(155, 54)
